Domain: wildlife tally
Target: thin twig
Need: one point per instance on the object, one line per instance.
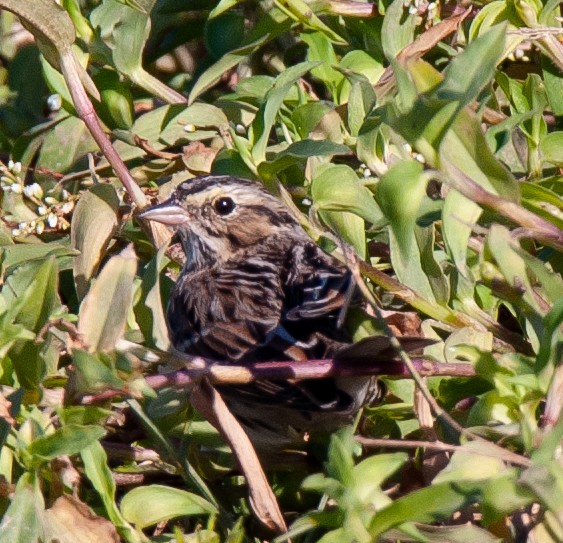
(219, 373)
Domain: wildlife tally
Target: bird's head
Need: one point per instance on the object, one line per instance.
(216, 216)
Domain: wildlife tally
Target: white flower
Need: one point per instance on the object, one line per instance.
(16, 232)
(16, 168)
(40, 227)
(41, 210)
(17, 188)
(67, 207)
(52, 220)
(33, 190)
(189, 128)
(54, 102)
(50, 200)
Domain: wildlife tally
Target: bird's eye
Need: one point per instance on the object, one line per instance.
(224, 205)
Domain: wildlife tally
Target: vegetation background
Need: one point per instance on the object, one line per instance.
(428, 136)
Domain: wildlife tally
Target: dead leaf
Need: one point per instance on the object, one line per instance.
(70, 520)
(209, 402)
(198, 158)
(421, 45)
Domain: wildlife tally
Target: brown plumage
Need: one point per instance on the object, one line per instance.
(255, 287)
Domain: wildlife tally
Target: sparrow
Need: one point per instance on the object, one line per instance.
(255, 287)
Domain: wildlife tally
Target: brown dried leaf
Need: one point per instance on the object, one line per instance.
(262, 499)
(70, 520)
(198, 158)
(421, 45)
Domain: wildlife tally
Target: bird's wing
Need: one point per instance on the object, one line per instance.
(225, 314)
(317, 285)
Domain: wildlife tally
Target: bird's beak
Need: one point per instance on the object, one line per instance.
(167, 212)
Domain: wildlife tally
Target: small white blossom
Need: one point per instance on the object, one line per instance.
(306, 201)
(54, 102)
(41, 210)
(16, 168)
(67, 207)
(52, 220)
(65, 194)
(22, 225)
(240, 129)
(189, 128)
(16, 232)
(10, 165)
(367, 172)
(50, 200)
(17, 188)
(40, 227)
(33, 190)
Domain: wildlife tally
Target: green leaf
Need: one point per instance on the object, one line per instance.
(31, 293)
(65, 144)
(469, 72)
(271, 25)
(308, 116)
(198, 115)
(302, 12)
(105, 309)
(546, 481)
(543, 202)
(397, 30)
(551, 146)
(399, 194)
(99, 474)
(224, 33)
(266, 116)
(22, 522)
(13, 256)
(298, 152)
(93, 224)
(361, 100)
(372, 472)
(92, 375)
(430, 504)
(504, 494)
(70, 439)
(469, 465)
(150, 313)
(125, 30)
(502, 248)
(338, 188)
(320, 49)
(148, 505)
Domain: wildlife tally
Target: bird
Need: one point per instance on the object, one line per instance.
(255, 287)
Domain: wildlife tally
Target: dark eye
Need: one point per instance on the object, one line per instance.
(224, 205)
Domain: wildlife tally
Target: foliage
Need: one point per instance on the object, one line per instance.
(443, 145)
